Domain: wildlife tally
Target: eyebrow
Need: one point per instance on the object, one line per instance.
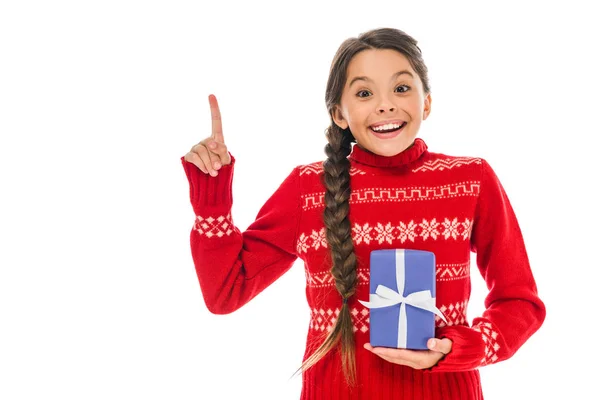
(366, 78)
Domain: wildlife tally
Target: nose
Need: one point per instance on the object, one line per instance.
(382, 109)
(384, 105)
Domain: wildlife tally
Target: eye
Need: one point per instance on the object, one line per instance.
(404, 91)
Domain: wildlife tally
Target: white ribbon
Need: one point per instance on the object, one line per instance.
(386, 297)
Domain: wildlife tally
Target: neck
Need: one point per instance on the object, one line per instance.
(407, 156)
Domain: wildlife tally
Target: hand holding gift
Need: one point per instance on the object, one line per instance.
(402, 308)
(417, 359)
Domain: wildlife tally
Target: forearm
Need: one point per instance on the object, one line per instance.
(513, 309)
(233, 266)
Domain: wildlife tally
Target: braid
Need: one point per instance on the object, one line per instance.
(336, 178)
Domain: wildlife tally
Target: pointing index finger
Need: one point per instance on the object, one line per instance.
(217, 126)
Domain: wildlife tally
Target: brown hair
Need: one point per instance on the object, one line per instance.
(336, 179)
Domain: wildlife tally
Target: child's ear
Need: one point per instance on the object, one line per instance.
(427, 107)
(338, 118)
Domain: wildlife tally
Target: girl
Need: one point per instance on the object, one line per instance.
(386, 191)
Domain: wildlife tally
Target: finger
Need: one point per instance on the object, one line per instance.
(204, 155)
(221, 152)
(215, 162)
(194, 158)
(217, 125)
(442, 345)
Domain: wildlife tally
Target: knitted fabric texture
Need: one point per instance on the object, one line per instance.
(449, 205)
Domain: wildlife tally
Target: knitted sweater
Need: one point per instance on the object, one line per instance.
(417, 199)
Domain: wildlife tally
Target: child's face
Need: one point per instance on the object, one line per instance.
(382, 98)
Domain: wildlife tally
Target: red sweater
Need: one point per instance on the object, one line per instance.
(417, 199)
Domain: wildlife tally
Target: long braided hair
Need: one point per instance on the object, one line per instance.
(336, 179)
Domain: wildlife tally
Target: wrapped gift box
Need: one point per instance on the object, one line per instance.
(402, 298)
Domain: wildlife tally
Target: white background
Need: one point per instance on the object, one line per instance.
(99, 100)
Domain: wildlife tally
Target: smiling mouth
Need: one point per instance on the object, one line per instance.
(388, 131)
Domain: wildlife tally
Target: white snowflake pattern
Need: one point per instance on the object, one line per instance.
(362, 233)
(450, 228)
(302, 246)
(429, 229)
(318, 239)
(467, 225)
(387, 232)
(407, 231)
(384, 234)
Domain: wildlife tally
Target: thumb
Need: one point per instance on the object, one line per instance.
(442, 345)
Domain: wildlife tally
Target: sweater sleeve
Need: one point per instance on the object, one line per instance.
(233, 266)
(513, 311)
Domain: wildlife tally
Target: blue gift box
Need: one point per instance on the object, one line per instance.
(402, 298)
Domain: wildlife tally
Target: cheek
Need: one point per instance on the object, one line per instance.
(358, 115)
(415, 109)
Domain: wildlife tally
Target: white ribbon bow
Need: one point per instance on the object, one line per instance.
(386, 297)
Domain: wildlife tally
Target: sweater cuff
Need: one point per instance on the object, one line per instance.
(468, 349)
(208, 191)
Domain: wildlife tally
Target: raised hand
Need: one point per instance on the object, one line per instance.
(210, 154)
(417, 359)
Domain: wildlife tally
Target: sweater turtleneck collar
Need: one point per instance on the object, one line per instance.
(407, 156)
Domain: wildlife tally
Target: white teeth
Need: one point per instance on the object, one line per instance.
(386, 127)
